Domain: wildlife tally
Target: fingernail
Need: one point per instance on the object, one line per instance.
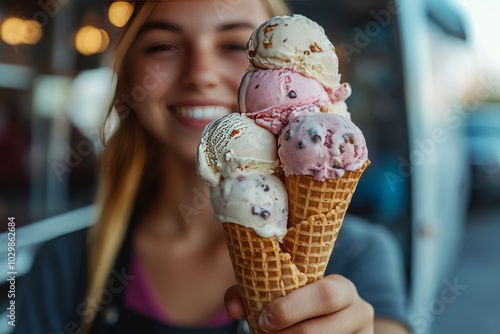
(231, 309)
(265, 320)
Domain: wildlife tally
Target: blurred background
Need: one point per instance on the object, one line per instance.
(425, 77)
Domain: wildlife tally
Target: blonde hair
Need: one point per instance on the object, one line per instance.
(277, 7)
(122, 166)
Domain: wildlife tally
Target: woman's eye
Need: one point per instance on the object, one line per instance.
(234, 47)
(160, 48)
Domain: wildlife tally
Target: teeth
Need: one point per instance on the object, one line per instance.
(208, 112)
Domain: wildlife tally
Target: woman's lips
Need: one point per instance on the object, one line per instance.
(198, 116)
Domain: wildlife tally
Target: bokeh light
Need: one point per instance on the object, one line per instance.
(16, 31)
(90, 40)
(119, 13)
(31, 32)
(11, 31)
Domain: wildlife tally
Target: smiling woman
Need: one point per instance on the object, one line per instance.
(144, 266)
(201, 58)
(198, 57)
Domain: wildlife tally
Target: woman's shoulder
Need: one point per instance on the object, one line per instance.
(370, 256)
(363, 247)
(50, 293)
(358, 236)
(67, 248)
(61, 262)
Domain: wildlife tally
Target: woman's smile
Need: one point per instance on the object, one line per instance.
(202, 56)
(198, 116)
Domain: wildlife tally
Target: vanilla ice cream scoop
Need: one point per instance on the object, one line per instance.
(234, 144)
(297, 43)
(253, 200)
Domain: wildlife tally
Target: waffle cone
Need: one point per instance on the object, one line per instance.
(310, 243)
(262, 270)
(308, 197)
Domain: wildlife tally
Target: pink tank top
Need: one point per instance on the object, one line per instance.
(139, 296)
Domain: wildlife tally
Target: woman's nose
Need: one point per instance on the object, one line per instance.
(200, 68)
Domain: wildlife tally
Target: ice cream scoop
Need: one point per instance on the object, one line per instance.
(234, 144)
(321, 145)
(267, 89)
(253, 200)
(296, 43)
(268, 96)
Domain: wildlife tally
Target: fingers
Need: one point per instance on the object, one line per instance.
(328, 296)
(234, 303)
(356, 319)
(330, 305)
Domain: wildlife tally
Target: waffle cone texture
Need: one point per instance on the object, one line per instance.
(262, 270)
(307, 196)
(266, 269)
(310, 243)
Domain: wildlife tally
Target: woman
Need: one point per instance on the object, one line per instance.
(178, 65)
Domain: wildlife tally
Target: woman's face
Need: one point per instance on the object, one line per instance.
(186, 65)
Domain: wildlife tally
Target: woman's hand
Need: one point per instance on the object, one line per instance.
(330, 305)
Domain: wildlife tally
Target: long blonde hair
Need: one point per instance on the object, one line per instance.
(122, 166)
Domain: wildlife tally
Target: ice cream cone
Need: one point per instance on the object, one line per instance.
(316, 213)
(310, 243)
(262, 270)
(308, 197)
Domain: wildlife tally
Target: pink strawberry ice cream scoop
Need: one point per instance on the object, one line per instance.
(321, 145)
(268, 96)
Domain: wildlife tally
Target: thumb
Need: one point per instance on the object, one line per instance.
(234, 303)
